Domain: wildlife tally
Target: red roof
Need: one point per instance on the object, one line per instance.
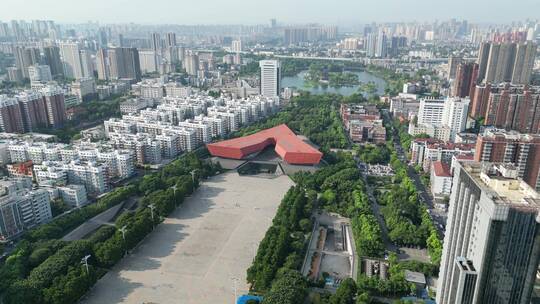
(468, 156)
(441, 169)
(287, 145)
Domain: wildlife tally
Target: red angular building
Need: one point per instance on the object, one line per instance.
(288, 146)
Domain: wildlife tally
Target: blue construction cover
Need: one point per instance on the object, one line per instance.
(244, 298)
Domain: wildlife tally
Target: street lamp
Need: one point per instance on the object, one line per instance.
(193, 176)
(254, 248)
(152, 207)
(123, 230)
(84, 261)
(235, 287)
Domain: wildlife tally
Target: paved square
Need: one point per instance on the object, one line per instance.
(194, 254)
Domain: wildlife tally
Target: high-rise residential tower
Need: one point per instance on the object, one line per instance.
(506, 62)
(33, 110)
(25, 57)
(170, 39)
(492, 241)
(270, 78)
(52, 59)
(518, 149)
(381, 49)
(524, 63)
(155, 42)
(465, 80)
(11, 120)
(117, 63)
(371, 45)
(55, 106)
(236, 46)
(453, 64)
(71, 58)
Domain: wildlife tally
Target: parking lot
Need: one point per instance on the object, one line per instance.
(195, 255)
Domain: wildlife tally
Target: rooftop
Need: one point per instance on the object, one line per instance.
(415, 277)
(441, 169)
(501, 183)
(288, 146)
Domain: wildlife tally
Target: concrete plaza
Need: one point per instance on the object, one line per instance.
(193, 256)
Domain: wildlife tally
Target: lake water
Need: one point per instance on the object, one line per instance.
(364, 77)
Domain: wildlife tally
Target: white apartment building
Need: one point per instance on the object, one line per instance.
(83, 88)
(440, 179)
(147, 149)
(430, 111)
(424, 151)
(39, 73)
(169, 144)
(35, 207)
(217, 126)
(201, 129)
(72, 60)
(74, 195)
(50, 173)
(232, 118)
(149, 61)
(22, 208)
(134, 105)
(236, 46)
(117, 125)
(148, 89)
(441, 118)
(439, 132)
(90, 174)
(455, 115)
(174, 89)
(270, 78)
(120, 163)
(18, 153)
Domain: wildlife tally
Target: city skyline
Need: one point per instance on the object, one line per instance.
(244, 12)
(276, 152)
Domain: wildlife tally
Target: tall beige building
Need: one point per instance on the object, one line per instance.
(506, 62)
(524, 63)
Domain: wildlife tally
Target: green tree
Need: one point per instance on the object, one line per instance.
(289, 288)
(345, 293)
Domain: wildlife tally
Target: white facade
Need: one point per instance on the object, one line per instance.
(270, 78)
(438, 132)
(431, 111)
(83, 87)
(236, 46)
(441, 118)
(455, 115)
(71, 58)
(492, 224)
(74, 195)
(40, 73)
(173, 89)
(441, 182)
(149, 61)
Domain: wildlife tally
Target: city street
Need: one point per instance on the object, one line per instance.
(424, 194)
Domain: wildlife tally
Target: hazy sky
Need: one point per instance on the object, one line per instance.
(260, 11)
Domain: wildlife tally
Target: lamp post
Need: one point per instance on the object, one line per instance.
(84, 261)
(254, 248)
(152, 207)
(123, 230)
(193, 176)
(235, 288)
